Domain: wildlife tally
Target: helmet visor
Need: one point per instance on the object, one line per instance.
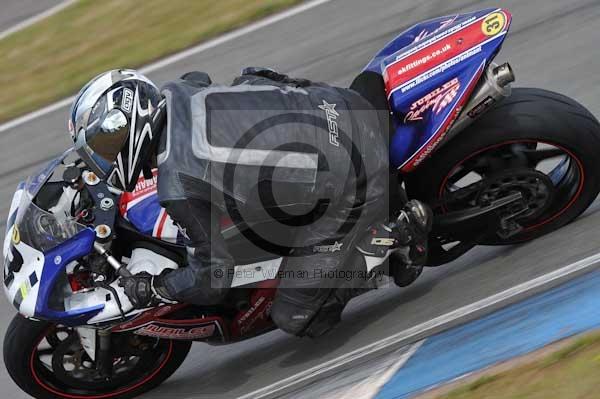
(108, 140)
(100, 144)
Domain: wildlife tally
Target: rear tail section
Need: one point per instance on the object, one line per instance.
(430, 73)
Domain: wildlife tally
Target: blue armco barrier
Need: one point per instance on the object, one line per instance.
(515, 330)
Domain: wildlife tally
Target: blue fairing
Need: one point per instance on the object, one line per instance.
(56, 261)
(410, 137)
(408, 37)
(442, 60)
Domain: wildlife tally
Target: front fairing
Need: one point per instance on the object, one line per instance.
(38, 246)
(22, 271)
(26, 191)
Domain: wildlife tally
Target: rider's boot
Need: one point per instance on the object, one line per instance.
(405, 237)
(403, 240)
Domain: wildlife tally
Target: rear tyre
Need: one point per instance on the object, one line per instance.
(539, 143)
(47, 362)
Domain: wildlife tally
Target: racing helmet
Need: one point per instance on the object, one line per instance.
(115, 123)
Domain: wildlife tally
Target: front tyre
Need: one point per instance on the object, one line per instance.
(48, 362)
(539, 143)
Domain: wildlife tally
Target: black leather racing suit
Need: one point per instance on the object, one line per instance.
(272, 148)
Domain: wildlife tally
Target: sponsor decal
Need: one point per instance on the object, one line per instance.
(384, 242)
(423, 60)
(251, 311)
(429, 149)
(440, 69)
(481, 107)
(259, 311)
(337, 246)
(437, 100)
(424, 33)
(431, 57)
(127, 101)
(441, 132)
(143, 188)
(435, 38)
(157, 331)
(332, 116)
(493, 24)
(147, 317)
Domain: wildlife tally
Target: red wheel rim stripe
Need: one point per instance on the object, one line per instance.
(109, 395)
(544, 222)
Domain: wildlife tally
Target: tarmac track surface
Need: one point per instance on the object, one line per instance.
(14, 11)
(552, 45)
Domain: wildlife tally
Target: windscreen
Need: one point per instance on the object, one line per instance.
(40, 228)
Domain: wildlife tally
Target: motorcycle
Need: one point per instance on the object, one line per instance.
(498, 166)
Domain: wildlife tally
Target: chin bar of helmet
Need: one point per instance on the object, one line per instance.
(119, 268)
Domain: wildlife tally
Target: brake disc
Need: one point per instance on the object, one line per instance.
(69, 364)
(536, 188)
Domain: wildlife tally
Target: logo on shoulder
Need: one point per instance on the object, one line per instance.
(332, 116)
(182, 231)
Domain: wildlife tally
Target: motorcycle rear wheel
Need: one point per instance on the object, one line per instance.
(542, 144)
(72, 375)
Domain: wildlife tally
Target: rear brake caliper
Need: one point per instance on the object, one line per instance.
(535, 188)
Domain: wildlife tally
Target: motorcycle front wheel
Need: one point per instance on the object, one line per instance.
(48, 361)
(540, 144)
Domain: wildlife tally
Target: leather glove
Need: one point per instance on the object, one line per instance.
(145, 290)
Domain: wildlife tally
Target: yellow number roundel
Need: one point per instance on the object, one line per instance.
(493, 24)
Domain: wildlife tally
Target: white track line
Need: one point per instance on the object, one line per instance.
(36, 18)
(429, 327)
(233, 35)
(178, 57)
(369, 388)
(36, 114)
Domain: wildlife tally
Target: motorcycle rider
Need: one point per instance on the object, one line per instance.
(311, 156)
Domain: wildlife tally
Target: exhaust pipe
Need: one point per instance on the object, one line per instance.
(504, 75)
(494, 87)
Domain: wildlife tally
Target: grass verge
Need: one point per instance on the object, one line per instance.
(54, 58)
(572, 372)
